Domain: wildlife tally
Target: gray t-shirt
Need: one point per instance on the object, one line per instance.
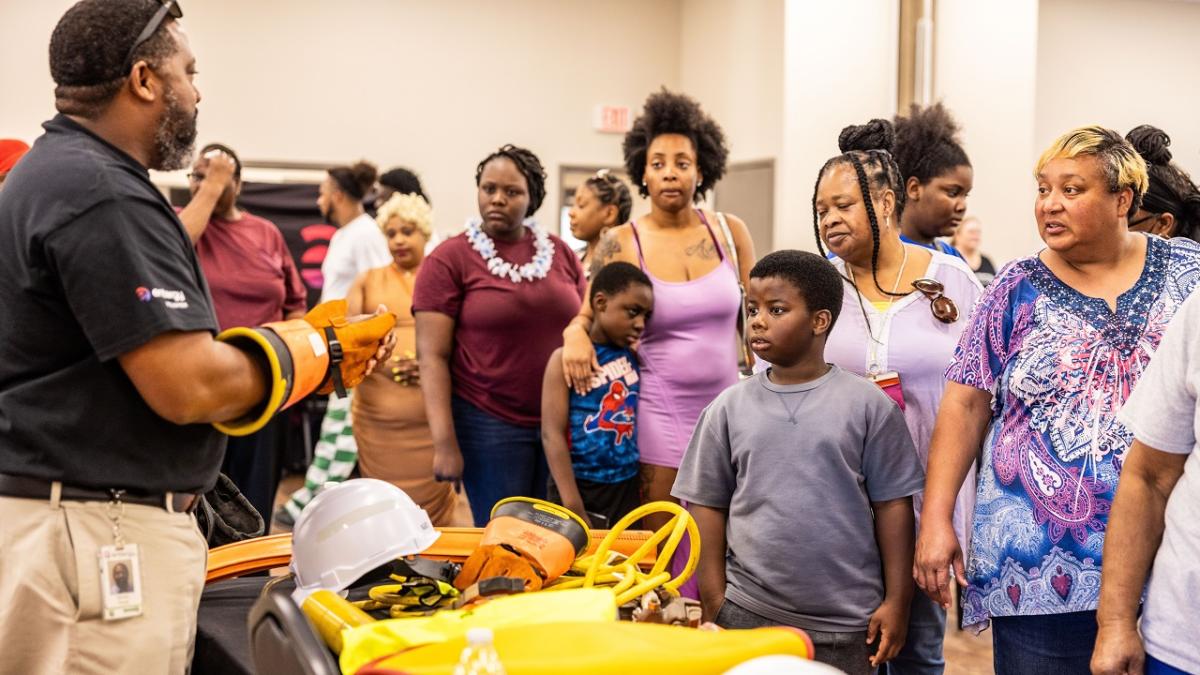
(1162, 413)
(797, 467)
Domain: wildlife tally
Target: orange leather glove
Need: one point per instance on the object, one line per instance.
(359, 341)
(494, 560)
(323, 352)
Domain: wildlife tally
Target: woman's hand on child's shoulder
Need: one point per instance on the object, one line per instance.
(579, 362)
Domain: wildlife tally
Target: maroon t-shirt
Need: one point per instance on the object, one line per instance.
(250, 271)
(504, 332)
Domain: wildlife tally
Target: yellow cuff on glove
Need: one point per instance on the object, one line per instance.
(322, 352)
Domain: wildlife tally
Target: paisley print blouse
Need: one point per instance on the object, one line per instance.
(1059, 365)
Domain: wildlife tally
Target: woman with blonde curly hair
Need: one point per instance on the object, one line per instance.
(390, 427)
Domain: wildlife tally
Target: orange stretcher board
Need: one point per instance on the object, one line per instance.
(455, 544)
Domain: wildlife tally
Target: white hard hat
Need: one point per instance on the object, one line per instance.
(352, 528)
(780, 664)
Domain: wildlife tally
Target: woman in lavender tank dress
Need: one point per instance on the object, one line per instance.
(689, 352)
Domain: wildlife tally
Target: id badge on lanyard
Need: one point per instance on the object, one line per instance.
(120, 571)
(889, 382)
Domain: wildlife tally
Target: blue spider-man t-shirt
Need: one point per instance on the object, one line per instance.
(603, 443)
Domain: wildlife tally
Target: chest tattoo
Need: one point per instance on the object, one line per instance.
(702, 249)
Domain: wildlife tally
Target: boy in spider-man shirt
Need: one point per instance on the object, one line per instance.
(590, 439)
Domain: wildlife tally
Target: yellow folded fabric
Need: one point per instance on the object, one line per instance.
(605, 648)
(363, 644)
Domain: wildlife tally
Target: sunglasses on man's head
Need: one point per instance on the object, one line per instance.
(943, 308)
(169, 7)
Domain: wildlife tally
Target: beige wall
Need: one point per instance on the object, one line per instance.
(840, 68)
(432, 85)
(1018, 74)
(1140, 67)
(985, 57)
(731, 58)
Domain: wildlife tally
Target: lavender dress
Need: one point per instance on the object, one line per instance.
(688, 355)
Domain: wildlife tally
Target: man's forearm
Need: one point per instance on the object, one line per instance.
(236, 385)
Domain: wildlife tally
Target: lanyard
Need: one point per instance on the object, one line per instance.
(873, 367)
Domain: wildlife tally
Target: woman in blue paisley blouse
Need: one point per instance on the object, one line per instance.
(1052, 351)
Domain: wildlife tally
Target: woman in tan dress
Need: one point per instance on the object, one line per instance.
(394, 443)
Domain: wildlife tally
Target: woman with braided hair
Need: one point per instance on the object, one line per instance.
(904, 308)
(490, 305)
(1171, 205)
(602, 202)
(935, 174)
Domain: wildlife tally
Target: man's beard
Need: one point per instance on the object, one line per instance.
(175, 137)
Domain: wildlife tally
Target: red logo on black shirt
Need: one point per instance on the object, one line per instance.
(144, 294)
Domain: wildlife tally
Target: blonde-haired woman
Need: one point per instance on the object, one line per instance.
(394, 442)
(1050, 354)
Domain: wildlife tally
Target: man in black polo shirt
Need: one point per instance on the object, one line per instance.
(110, 377)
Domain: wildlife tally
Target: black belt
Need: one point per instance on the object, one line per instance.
(38, 488)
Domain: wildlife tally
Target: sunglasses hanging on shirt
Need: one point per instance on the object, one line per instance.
(943, 308)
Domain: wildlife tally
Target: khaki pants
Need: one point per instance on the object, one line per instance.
(50, 602)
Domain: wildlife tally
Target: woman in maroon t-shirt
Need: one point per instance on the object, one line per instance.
(252, 280)
(490, 306)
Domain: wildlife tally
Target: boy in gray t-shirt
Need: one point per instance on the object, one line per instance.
(801, 481)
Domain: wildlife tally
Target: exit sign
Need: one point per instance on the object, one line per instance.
(611, 119)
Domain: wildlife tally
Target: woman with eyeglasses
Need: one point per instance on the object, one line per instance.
(252, 280)
(1047, 359)
(903, 311)
(1171, 205)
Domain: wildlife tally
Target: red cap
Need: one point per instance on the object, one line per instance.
(10, 151)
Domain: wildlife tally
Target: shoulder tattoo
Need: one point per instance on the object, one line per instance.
(608, 249)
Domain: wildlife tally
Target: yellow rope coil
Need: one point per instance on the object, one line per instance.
(605, 568)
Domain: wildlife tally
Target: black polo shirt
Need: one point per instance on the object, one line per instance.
(93, 264)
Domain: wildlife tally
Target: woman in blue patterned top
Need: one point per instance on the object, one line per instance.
(1052, 351)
